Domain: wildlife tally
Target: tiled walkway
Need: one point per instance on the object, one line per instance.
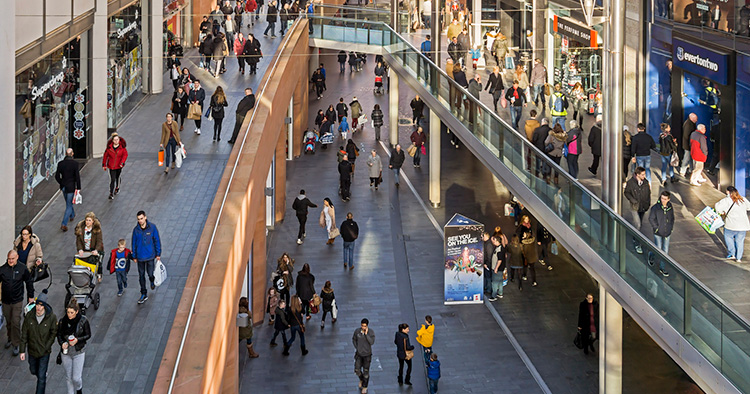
(124, 353)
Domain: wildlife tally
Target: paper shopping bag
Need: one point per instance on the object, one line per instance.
(412, 150)
(194, 111)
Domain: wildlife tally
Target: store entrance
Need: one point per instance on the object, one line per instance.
(576, 63)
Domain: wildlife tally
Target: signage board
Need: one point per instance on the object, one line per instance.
(700, 61)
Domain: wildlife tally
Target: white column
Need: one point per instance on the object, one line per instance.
(8, 118)
(270, 197)
(393, 108)
(610, 340)
(476, 19)
(434, 156)
(98, 91)
(157, 46)
(290, 130)
(314, 61)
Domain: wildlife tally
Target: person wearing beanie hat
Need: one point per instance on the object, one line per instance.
(38, 334)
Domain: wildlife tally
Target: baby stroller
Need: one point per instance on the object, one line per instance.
(326, 139)
(378, 84)
(82, 281)
(310, 139)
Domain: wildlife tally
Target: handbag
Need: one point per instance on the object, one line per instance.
(25, 110)
(503, 102)
(335, 232)
(509, 211)
(160, 157)
(40, 272)
(674, 161)
(724, 216)
(380, 177)
(424, 150)
(313, 308)
(577, 340)
(208, 114)
(409, 353)
(301, 326)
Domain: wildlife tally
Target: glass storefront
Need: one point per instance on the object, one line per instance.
(124, 77)
(52, 112)
(576, 55)
(742, 126)
(659, 81)
(173, 27)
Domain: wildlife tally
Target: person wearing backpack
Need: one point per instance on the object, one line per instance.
(667, 147)
(573, 143)
(558, 105)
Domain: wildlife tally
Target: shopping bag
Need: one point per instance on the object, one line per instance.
(412, 150)
(674, 161)
(313, 308)
(243, 319)
(178, 157)
(577, 341)
(334, 310)
(25, 110)
(160, 273)
(509, 211)
(554, 248)
(362, 120)
(423, 150)
(503, 102)
(194, 111)
(77, 197)
(160, 157)
(208, 114)
(709, 220)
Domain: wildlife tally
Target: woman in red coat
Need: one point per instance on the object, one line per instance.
(114, 159)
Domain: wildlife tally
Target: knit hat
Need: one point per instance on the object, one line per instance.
(42, 298)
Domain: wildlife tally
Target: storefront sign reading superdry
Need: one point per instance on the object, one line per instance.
(577, 33)
(700, 61)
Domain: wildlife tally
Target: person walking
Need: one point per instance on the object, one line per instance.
(113, 159)
(342, 61)
(418, 139)
(417, 109)
(349, 233)
(661, 218)
(433, 373)
(68, 176)
(640, 148)
(253, 53)
(29, 248)
(243, 108)
(345, 177)
(538, 80)
(627, 156)
(733, 209)
(377, 120)
(578, 100)
(595, 143)
(495, 85)
(197, 96)
(363, 339)
(558, 105)
(396, 161)
(688, 128)
(425, 337)
(239, 50)
(588, 322)
(515, 260)
(555, 142)
(220, 50)
(404, 353)
(699, 154)
(170, 139)
(218, 102)
(328, 219)
(73, 331)
(280, 325)
(375, 169)
(529, 243)
(344, 128)
(119, 264)
(271, 16)
(305, 289)
(89, 239)
(328, 303)
(38, 334)
(574, 148)
(667, 146)
(487, 249)
(544, 239)
(352, 152)
(146, 247)
(300, 205)
(341, 109)
(517, 100)
(180, 105)
(173, 64)
(297, 325)
(356, 108)
(13, 278)
(246, 332)
(497, 264)
(638, 194)
(538, 136)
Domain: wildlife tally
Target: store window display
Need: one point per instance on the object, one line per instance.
(124, 77)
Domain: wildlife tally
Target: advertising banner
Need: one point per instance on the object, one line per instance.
(464, 261)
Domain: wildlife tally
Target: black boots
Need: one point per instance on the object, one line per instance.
(286, 350)
(304, 351)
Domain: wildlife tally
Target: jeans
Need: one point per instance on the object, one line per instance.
(663, 244)
(515, 115)
(295, 330)
(537, 93)
(362, 368)
(342, 67)
(418, 156)
(401, 369)
(302, 219)
(349, 253)
(427, 351)
(433, 385)
(114, 180)
(377, 133)
(488, 281)
(637, 222)
(572, 165)
(169, 151)
(735, 242)
(38, 368)
(70, 213)
(645, 162)
(271, 26)
(145, 267)
(122, 280)
(687, 161)
(497, 284)
(666, 167)
(395, 173)
(276, 333)
(558, 120)
(73, 365)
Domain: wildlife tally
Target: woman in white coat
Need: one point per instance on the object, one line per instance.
(734, 208)
(328, 219)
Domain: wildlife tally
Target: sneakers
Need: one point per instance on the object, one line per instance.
(198, 131)
(664, 273)
(638, 249)
(142, 299)
(492, 299)
(153, 287)
(15, 351)
(111, 196)
(119, 293)
(549, 268)
(299, 241)
(541, 261)
(523, 277)
(738, 260)
(730, 257)
(322, 324)
(533, 284)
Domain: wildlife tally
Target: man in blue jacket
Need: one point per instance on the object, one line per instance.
(146, 247)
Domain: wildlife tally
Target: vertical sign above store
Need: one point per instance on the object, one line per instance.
(700, 61)
(576, 32)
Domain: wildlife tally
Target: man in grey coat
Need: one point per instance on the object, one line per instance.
(363, 339)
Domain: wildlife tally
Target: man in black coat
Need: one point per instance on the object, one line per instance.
(638, 194)
(397, 160)
(197, 96)
(245, 105)
(661, 218)
(595, 143)
(588, 322)
(300, 205)
(345, 177)
(349, 233)
(13, 278)
(68, 176)
(341, 109)
(537, 139)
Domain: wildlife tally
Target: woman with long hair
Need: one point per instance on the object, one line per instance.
(326, 294)
(515, 260)
(578, 95)
(282, 279)
(113, 159)
(29, 248)
(305, 288)
(218, 102)
(180, 105)
(402, 346)
(89, 239)
(294, 317)
(246, 333)
(626, 155)
(734, 209)
(529, 243)
(328, 219)
(73, 331)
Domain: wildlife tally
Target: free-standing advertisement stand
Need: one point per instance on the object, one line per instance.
(464, 261)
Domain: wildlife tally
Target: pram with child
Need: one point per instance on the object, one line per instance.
(83, 281)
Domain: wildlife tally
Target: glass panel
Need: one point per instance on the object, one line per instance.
(734, 353)
(705, 327)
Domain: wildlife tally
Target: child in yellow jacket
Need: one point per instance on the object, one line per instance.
(425, 336)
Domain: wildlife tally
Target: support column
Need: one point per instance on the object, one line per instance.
(98, 83)
(259, 265)
(290, 128)
(394, 16)
(610, 340)
(613, 116)
(8, 138)
(476, 19)
(301, 97)
(393, 108)
(314, 62)
(270, 195)
(435, 29)
(280, 173)
(434, 156)
(155, 44)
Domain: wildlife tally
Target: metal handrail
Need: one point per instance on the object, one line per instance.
(282, 47)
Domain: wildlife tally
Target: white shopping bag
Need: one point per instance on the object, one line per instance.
(160, 273)
(334, 309)
(178, 157)
(77, 197)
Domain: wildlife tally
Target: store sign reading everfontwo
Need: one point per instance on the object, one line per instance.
(699, 60)
(683, 55)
